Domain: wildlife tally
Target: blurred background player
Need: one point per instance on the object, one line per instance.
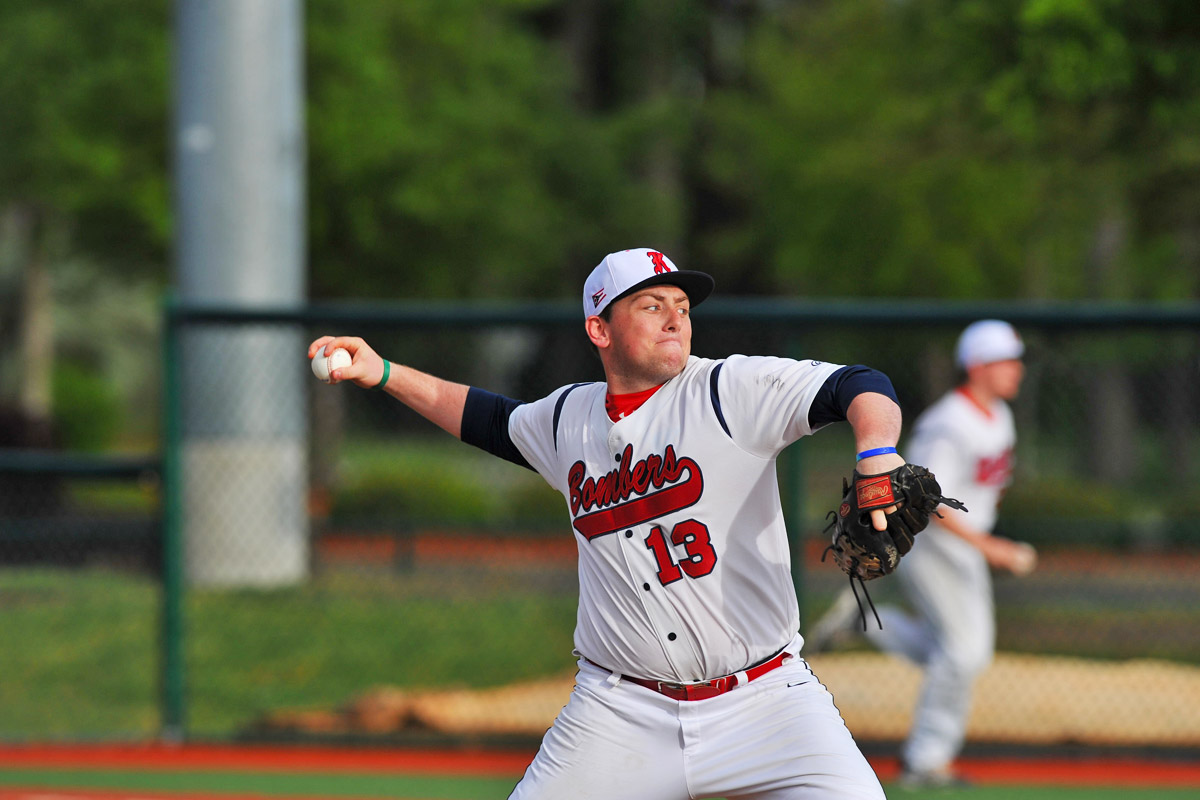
(967, 439)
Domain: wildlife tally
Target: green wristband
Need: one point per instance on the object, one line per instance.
(387, 371)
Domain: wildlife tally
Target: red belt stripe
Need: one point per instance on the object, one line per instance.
(706, 689)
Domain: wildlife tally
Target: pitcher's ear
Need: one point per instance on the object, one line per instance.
(597, 331)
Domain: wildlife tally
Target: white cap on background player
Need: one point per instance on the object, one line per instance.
(986, 341)
(621, 273)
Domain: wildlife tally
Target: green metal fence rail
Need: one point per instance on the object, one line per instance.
(14, 461)
(410, 315)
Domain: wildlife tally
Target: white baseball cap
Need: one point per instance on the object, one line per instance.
(986, 341)
(621, 273)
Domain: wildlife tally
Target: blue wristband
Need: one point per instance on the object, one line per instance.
(878, 451)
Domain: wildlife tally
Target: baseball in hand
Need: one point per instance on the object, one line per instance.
(1025, 559)
(323, 364)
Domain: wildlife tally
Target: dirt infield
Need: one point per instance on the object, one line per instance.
(1062, 700)
(1128, 703)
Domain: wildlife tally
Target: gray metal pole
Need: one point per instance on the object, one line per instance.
(239, 170)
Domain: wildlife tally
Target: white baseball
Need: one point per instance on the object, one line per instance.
(323, 364)
(1026, 559)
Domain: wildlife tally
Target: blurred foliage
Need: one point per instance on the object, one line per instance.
(979, 148)
(448, 157)
(470, 149)
(83, 140)
(87, 408)
(107, 326)
(421, 479)
(964, 148)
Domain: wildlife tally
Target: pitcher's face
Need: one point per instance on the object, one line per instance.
(648, 339)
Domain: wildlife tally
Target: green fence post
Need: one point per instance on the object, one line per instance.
(172, 664)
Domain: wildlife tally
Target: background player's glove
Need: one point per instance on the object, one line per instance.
(865, 553)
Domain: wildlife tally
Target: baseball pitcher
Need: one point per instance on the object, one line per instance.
(691, 683)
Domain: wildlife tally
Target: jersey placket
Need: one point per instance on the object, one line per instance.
(641, 568)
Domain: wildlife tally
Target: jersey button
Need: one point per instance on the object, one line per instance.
(671, 637)
(628, 534)
(646, 586)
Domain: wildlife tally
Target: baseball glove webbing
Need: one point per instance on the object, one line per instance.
(865, 553)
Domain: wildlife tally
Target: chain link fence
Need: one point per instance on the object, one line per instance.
(80, 599)
(321, 562)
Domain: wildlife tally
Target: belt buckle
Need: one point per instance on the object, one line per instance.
(693, 691)
(705, 690)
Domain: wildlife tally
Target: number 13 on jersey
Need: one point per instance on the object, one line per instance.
(693, 535)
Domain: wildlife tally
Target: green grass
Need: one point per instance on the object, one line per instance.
(319, 646)
(81, 646)
(80, 650)
(79, 653)
(88, 655)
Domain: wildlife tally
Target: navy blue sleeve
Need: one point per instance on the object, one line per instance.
(485, 425)
(840, 388)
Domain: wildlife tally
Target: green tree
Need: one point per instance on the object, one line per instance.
(83, 145)
(965, 148)
(83, 96)
(449, 156)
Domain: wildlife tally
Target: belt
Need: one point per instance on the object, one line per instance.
(706, 689)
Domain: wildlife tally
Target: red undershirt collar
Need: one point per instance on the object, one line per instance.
(987, 412)
(619, 406)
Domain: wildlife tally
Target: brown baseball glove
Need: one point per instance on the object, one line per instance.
(865, 553)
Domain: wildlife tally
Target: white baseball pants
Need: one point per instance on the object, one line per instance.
(952, 636)
(776, 738)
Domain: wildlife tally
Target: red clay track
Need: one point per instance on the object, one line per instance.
(1110, 772)
(264, 759)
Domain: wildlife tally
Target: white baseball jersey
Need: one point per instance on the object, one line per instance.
(684, 564)
(969, 449)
